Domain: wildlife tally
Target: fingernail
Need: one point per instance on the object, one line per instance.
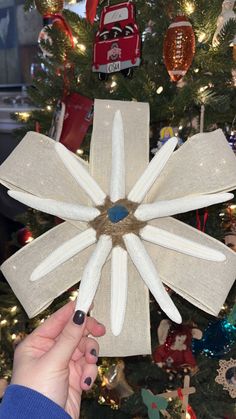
(93, 352)
(79, 317)
(88, 381)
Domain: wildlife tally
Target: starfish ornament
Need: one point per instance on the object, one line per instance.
(118, 224)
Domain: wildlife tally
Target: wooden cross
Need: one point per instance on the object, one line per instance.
(182, 394)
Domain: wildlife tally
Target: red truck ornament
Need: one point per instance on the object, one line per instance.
(117, 43)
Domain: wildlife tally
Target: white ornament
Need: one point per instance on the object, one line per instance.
(227, 13)
(134, 247)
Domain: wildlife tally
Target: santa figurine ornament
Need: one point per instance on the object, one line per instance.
(175, 350)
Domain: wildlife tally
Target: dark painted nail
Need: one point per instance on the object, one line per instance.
(93, 352)
(88, 381)
(79, 317)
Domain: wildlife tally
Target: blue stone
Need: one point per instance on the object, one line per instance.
(117, 213)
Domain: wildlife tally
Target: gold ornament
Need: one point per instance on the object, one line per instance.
(46, 7)
(227, 376)
(114, 385)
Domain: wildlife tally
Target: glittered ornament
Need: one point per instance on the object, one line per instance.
(51, 7)
(179, 48)
(217, 340)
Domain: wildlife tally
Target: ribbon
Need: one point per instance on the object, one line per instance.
(68, 67)
(91, 8)
(34, 164)
(200, 226)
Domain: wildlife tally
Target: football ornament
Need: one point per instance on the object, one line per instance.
(179, 48)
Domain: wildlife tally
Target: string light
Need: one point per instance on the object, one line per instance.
(3, 322)
(23, 116)
(113, 84)
(202, 89)
(73, 295)
(189, 7)
(80, 152)
(81, 47)
(49, 108)
(13, 309)
(159, 90)
(196, 70)
(201, 37)
(15, 321)
(13, 336)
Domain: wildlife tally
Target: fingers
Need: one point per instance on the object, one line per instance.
(70, 338)
(89, 348)
(66, 343)
(88, 376)
(93, 327)
(53, 326)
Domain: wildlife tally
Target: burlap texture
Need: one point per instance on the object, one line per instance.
(204, 164)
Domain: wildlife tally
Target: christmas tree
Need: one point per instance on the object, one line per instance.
(203, 99)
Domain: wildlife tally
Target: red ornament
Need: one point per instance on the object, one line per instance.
(175, 349)
(118, 42)
(71, 121)
(179, 48)
(24, 236)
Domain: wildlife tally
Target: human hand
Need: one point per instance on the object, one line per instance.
(58, 359)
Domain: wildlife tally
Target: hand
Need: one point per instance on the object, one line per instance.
(59, 359)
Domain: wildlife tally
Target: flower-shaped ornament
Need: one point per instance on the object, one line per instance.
(118, 224)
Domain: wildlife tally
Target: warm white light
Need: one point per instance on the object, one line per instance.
(201, 37)
(82, 47)
(24, 116)
(80, 152)
(188, 416)
(232, 206)
(159, 90)
(29, 240)
(15, 321)
(13, 309)
(3, 322)
(196, 70)
(75, 40)
(202, 89)
(113, 84)
(42, 320)
(13, 336)
(180, 127)
(49, 108)
(189, 7)
(73, 295)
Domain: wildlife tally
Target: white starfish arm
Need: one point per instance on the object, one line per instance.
(82, 177)
(147, 270)
(156, 165)
(64, 252)
(92, 273)
(179, 244)
(119, 279)
(58, 208)
(117, 185)
(147, 212)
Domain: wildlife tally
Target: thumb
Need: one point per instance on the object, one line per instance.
(67, 342)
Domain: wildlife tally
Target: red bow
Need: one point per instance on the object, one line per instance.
(91, 9)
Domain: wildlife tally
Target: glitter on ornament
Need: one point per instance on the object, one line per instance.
(179, 48)
(217, 340)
